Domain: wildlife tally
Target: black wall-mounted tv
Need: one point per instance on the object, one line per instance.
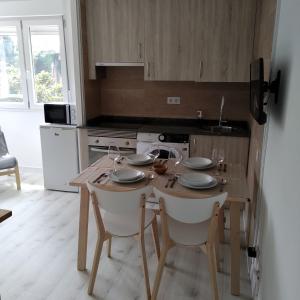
(258, 87)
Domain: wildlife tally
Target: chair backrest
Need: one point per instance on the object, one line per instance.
(189, 210)
(3, 146)
(120, 203)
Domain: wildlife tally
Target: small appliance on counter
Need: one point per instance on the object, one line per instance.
(60, 113)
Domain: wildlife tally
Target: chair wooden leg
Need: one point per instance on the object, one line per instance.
(18, 180)
(155, 237)
(221, 225)
(145, 266)
(217, 253)
(109, 247)
(212, 270)
(97, 256)
(159, 272)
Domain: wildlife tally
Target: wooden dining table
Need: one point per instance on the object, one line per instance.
(236, 187)
(5, 214)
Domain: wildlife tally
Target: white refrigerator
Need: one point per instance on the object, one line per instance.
(60, 156)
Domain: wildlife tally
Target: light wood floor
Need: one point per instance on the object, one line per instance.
(38, 248)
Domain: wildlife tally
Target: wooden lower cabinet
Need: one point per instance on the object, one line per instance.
(235, 148)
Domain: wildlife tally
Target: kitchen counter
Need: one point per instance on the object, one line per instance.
(162, 125)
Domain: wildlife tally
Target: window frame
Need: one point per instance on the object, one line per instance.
(27, 23)
(26, 62)
(25, 102)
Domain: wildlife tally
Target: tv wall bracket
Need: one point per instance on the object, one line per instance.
(272, 88)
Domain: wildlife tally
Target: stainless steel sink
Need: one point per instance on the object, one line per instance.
(221, 129)
(217, 128)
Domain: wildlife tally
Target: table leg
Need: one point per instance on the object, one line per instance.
(235, 247)
(83, 228)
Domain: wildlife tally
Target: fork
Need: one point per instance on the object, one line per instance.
(169, 180)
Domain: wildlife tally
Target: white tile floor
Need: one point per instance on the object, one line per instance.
(38, 249)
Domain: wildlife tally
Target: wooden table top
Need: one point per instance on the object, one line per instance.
(235, 176)
(5, 214)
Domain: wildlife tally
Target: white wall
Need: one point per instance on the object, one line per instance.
(281, 178)
(22, 127)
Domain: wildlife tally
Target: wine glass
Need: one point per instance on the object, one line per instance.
(217, 157)
(154, 151)
(113, 154)
(175, 158)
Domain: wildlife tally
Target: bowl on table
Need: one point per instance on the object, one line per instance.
(160, 168)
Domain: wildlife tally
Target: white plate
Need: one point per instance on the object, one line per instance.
(126, 174)
(139, 159)
(115, 179)
(197, 187)
(197, 179)
(198, 163)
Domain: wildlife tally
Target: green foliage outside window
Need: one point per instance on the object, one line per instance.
(47, 78)
(47, 90)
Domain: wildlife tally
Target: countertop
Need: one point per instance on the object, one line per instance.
(165, 125)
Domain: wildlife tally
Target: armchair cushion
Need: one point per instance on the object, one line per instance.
(3, 146)
(7, 162)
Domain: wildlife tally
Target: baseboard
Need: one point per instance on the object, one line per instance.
(31, 170)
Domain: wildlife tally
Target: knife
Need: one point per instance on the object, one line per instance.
(99, 177)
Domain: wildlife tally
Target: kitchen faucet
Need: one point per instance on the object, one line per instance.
(221, 111)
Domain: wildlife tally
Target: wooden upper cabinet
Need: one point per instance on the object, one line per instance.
(169, 40)
(115, 31)
(178, 40)
(224, 39)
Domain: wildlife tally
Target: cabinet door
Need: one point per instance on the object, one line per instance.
(225, 33)
(201, 145)
(169, 40)
(235, 148)
(116, 31)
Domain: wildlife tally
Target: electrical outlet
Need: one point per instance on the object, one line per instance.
(173, 100)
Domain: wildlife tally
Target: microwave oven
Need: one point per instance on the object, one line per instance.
(60, 113)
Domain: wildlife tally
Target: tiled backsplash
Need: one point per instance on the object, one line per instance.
(124, 92)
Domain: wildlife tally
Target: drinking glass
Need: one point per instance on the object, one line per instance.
(155, 151)
(113, 154)
(174, 159)
(217, 157)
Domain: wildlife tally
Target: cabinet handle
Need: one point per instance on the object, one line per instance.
(140, 50)
(148, 69)
(201, 69)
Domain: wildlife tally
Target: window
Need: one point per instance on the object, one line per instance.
(12, 69)
(33, 67)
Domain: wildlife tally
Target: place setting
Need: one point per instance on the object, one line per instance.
(200, 180)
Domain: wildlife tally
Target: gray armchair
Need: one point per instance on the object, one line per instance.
(8, 163)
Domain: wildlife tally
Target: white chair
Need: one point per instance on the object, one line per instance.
(8, 163)
(189, 222)
(122, 214)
